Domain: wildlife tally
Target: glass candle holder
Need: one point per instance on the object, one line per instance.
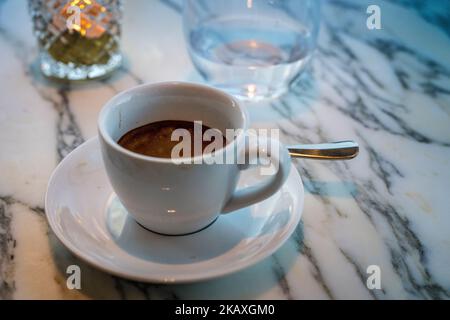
(78, 39)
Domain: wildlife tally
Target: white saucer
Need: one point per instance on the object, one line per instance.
(90, 221)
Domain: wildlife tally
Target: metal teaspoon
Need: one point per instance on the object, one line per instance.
(341, 150)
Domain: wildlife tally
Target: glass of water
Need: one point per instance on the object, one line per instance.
(252, 49)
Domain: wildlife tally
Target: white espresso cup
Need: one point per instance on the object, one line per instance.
(172, 198)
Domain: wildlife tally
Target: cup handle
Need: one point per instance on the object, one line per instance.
(279, 157)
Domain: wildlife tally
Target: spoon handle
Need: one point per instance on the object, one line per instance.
(326, 151)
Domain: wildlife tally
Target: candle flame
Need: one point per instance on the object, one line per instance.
(88, 23)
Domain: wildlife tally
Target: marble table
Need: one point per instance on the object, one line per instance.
(388, 89)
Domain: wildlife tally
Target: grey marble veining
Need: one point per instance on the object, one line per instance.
(388, 89)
